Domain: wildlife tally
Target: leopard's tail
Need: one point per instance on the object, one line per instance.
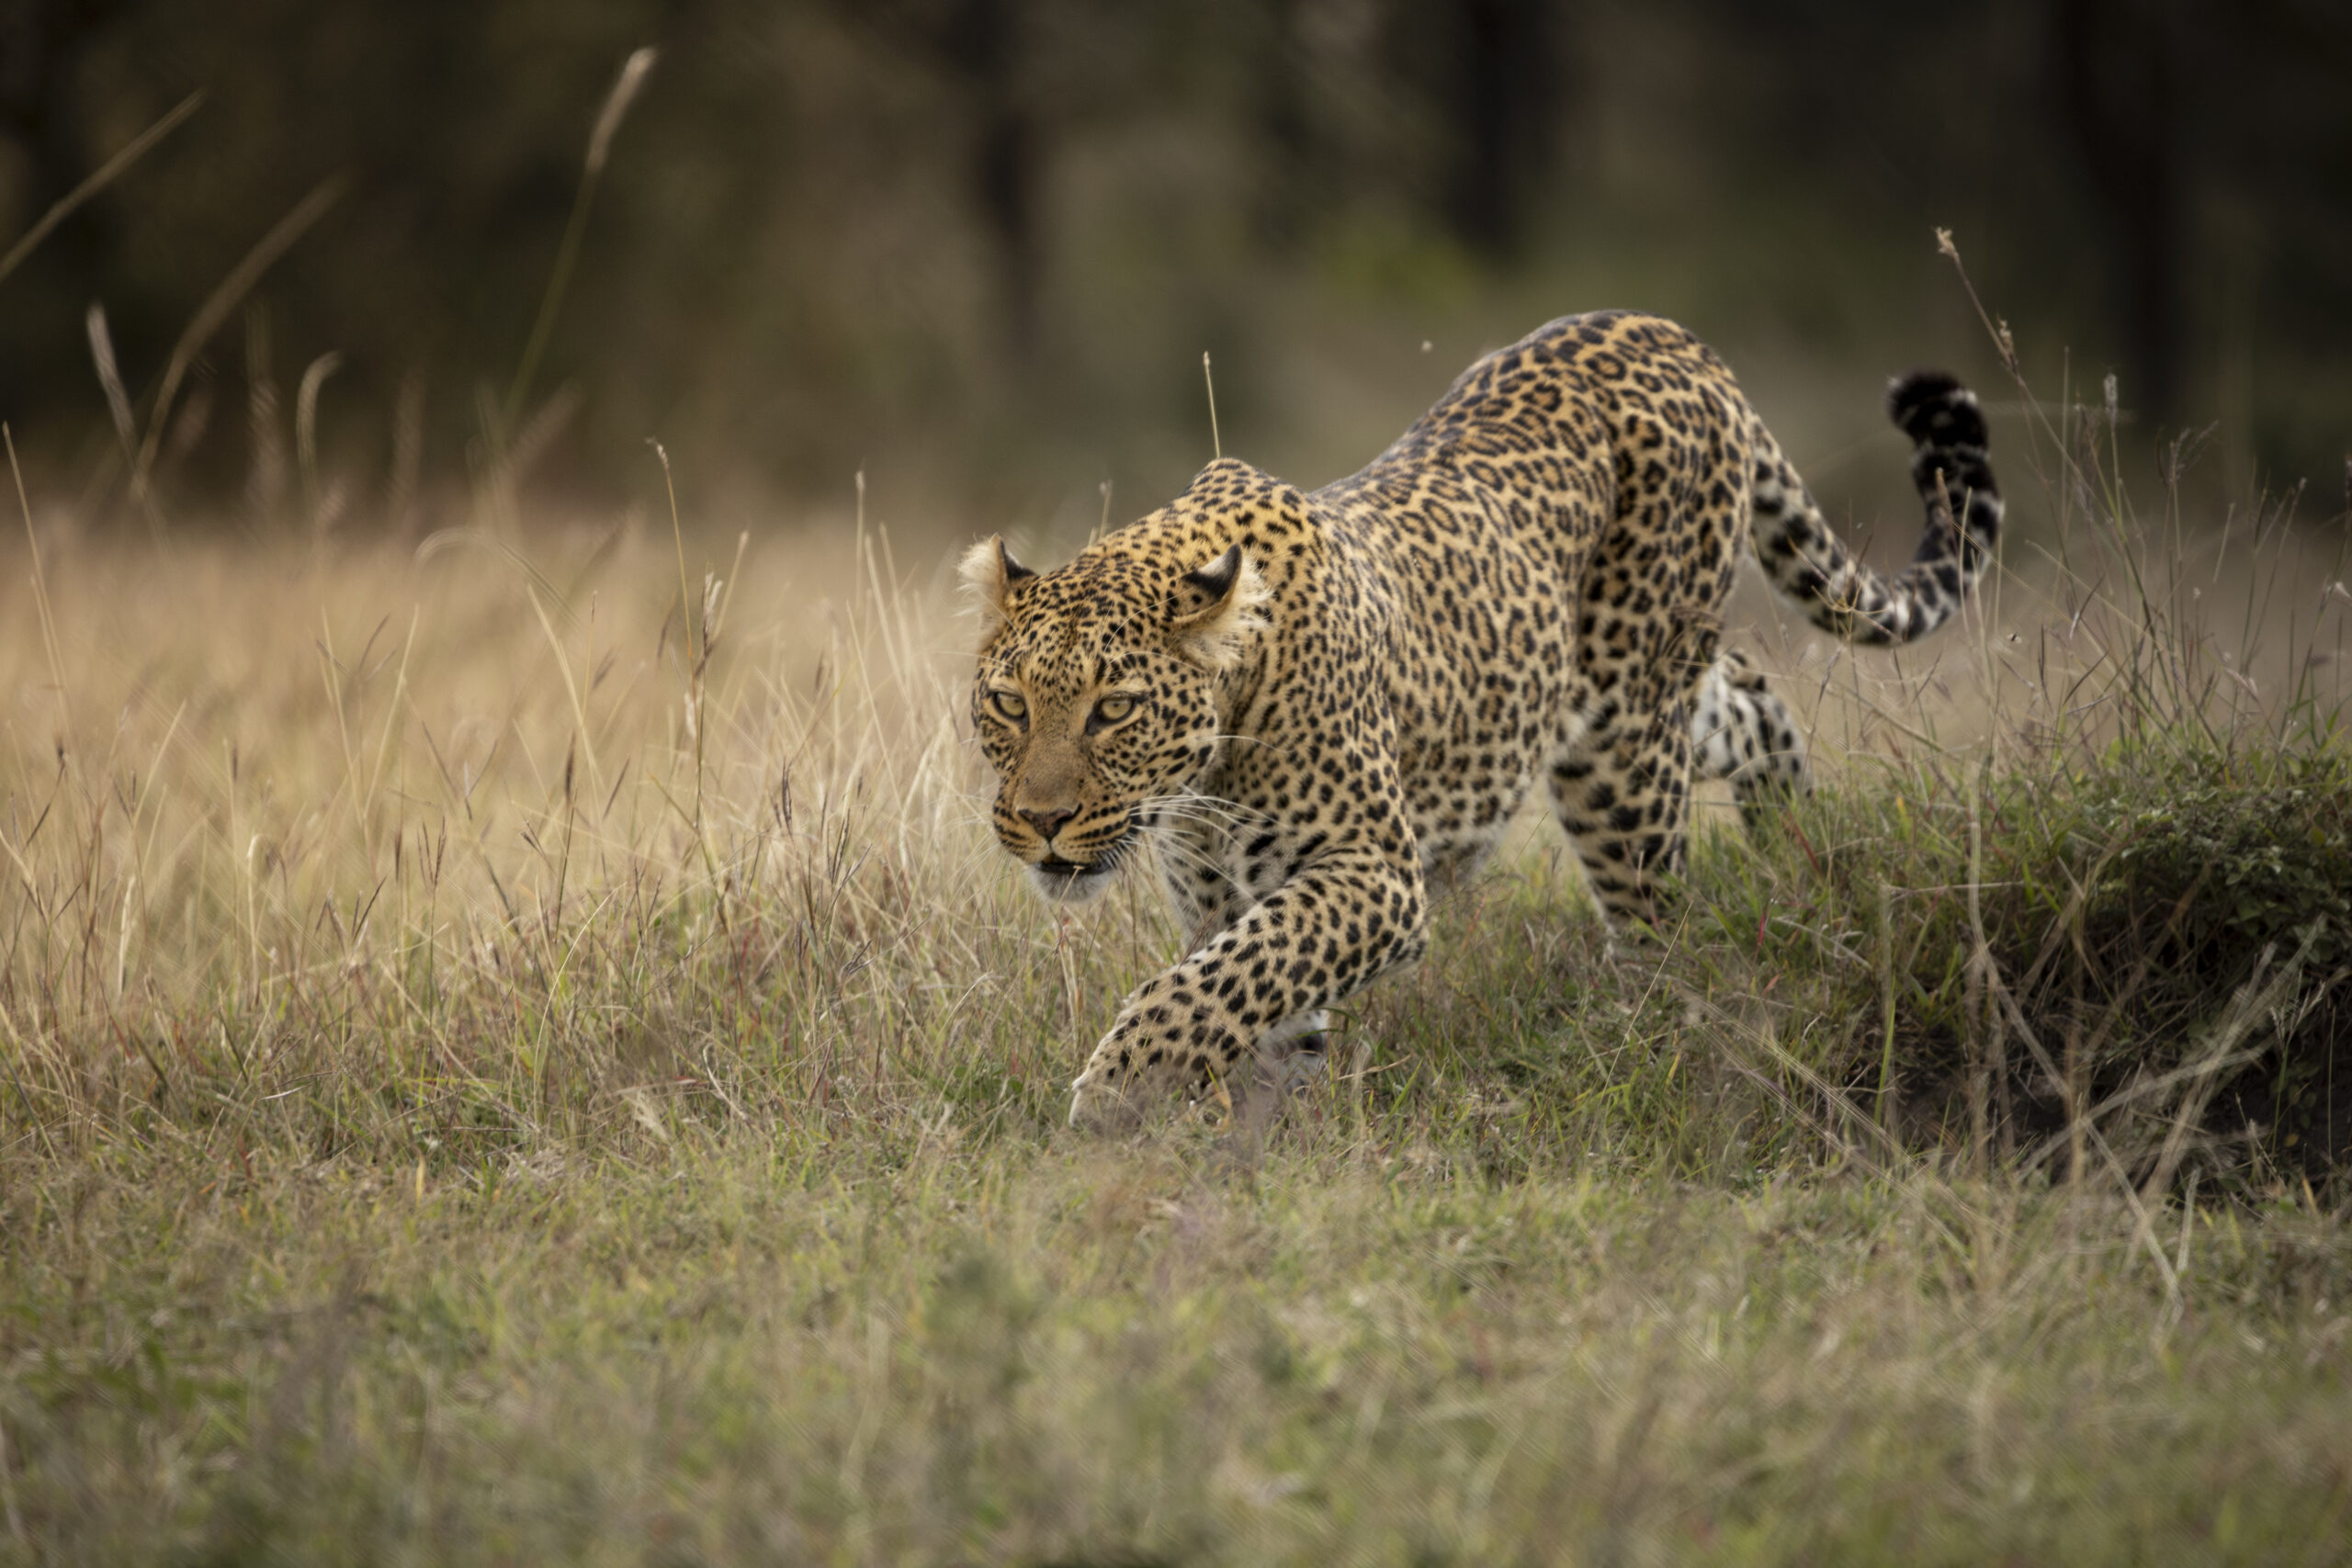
(1949, 464)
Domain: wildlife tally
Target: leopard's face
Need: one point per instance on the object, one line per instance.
(1095, 701)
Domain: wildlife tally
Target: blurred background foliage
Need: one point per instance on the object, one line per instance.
(979, 246)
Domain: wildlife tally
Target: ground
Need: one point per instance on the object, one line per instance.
(488, 1083)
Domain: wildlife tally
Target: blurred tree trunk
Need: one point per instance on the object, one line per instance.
(1503, 86)
(1284, 190)
(2118, 78)
(40, 43)
(982, 42)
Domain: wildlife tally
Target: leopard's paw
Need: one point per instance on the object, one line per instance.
(1099, 1105)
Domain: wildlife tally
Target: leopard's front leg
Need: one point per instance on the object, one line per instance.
(1339, 924)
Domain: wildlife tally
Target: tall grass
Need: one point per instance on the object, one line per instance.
(2121, 880)
(279, 828)
(524, 1050)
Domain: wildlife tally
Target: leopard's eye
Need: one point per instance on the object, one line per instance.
(1115, 708)
(1010, 704)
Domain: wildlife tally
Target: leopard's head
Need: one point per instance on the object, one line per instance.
(1096, 698)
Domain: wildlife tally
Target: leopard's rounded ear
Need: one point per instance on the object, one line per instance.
(990, 571)
(1211, 635)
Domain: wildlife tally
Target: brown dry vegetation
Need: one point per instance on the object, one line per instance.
(495, 1072)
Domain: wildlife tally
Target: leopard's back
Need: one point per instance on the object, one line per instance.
(1572, 507)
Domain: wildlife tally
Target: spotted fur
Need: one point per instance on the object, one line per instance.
(1315, 707)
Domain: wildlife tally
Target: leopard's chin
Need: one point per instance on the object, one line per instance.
(1060, 881)
(1069, 882)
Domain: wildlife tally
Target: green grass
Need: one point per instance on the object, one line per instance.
(482, 1086)
(897, 1344)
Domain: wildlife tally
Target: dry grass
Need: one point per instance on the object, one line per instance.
(269, 798)
(497, 1074)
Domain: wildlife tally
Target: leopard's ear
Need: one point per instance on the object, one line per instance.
(989, 573)
(1211, 635)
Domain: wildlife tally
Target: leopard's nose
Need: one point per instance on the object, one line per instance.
(1048, 822)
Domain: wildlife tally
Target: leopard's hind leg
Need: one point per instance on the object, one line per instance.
(1742, 731)
(1621, 790)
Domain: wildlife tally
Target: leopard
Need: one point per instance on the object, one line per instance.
(1313, 711)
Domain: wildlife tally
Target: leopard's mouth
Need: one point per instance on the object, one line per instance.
(1065, 881)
